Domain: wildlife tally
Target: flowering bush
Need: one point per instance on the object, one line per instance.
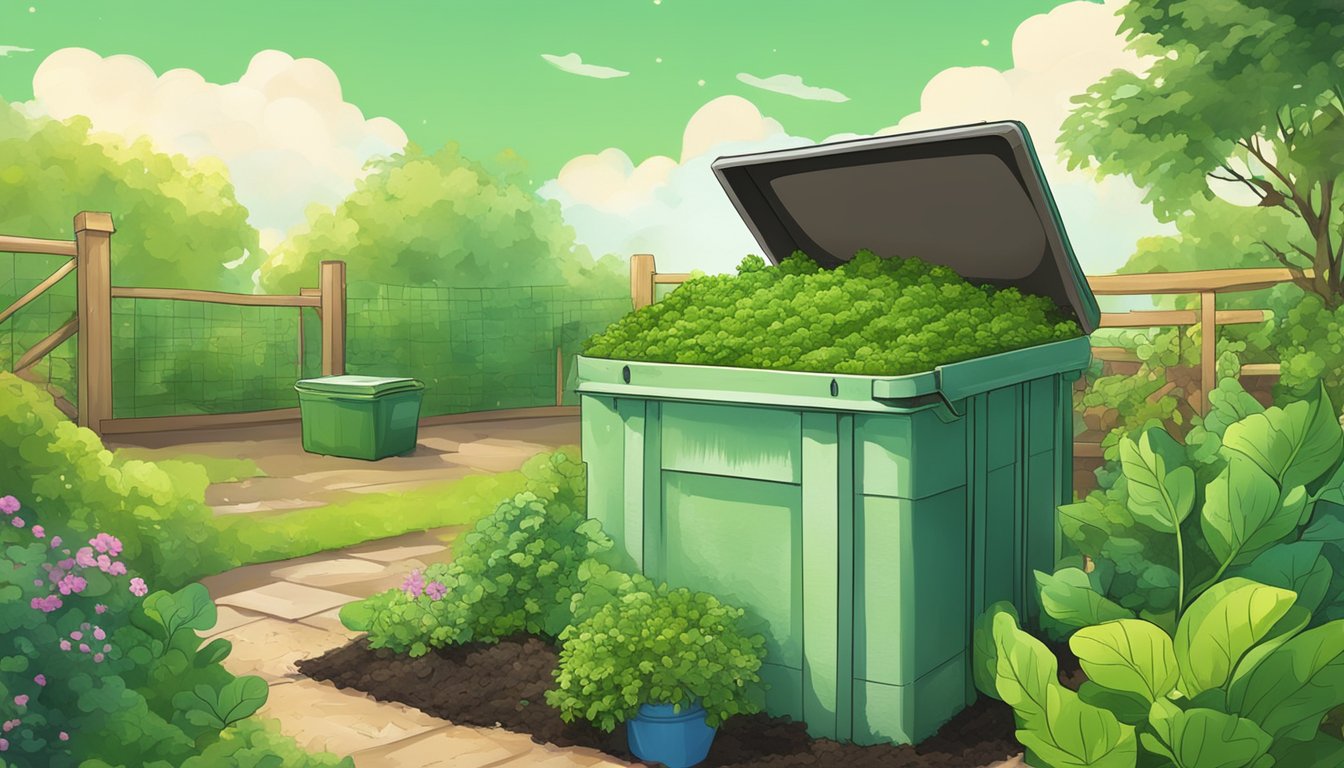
(94, 667)
(517, 571)
(157, 509)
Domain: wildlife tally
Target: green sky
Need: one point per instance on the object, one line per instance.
(471, 70)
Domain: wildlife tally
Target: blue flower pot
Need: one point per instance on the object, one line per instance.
(675, 739)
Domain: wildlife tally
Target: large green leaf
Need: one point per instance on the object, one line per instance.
(1295, 686)
(1298, 566)
(1129, 655)
(1069, 598)
(1321, 750)
(218, 708)
(188, 608)
(984, 653)
(1026, 670)
(1127, 707)
(1295, 444)
(1074, 734)
(1204, 738)
(1160, 496)
(1220, 626)
(1242, 514)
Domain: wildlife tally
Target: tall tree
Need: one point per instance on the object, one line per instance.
(438, 219)
(1247, 93)
(178, 223)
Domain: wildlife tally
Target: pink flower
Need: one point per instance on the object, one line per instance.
(45, 604)
(436, 591)
(39, 532)
(76, 635)
(17, 522)
(85, 557)
(414, 584)
(138, 587)
(67, 564)
(64, 736)
(106, 543)
(40, 679)
(72, 584)
(83, 647)
(97, 658)
(65, 645)
(107, 647)
(9, 725)
(21, 700)
(100, 608)
(9, 505)
(118, 568)
(55, 541)
(4, 745)
(99, 634)
(37, 582)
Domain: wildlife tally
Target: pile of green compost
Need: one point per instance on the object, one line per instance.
(871, 316)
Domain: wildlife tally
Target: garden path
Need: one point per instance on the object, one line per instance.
(295, 479)
(278, 613)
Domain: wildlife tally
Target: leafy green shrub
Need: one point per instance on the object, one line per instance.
(1240, 682)
(94, 667)
(1250, 494)
(869, 316)
(517, 570)
(660, 647)
(1310, 346)
(158, 509)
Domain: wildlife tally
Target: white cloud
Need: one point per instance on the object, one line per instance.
(792, 85)
(284, 130)
(6, 50)
(680, 214)
(573, 64)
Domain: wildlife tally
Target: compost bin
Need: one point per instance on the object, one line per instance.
(864, 520)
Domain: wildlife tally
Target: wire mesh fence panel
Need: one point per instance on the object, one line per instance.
(476, 349)
(172, 358)
(20, 273)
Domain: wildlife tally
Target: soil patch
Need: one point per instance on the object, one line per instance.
(503, 685)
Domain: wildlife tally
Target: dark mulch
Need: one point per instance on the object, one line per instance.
(503, 685)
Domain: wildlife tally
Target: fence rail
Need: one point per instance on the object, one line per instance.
(91, 325)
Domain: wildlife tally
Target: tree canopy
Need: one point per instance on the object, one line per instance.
(1242, 93)
(438, 219)
(178, 223)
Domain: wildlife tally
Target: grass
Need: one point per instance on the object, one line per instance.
(248, 539)
(218, 470)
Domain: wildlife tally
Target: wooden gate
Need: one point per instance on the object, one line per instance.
(90, 258)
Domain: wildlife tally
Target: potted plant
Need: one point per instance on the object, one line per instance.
(671, 664)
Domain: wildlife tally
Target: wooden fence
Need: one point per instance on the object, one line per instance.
(1208, 285)
(91, 260)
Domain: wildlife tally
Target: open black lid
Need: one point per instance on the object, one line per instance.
(972, 198)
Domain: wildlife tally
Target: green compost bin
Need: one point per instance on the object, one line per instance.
(863, 520)
(359, 417)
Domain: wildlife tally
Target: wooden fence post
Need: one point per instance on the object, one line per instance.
(1208, 349)
(332, 286)
(93, 276)
(642, 270)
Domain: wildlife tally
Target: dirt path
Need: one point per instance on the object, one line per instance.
(296, 479)
(278, 613)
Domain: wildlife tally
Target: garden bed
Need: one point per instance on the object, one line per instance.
(503, 684)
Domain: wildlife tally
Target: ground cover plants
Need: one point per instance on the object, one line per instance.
(1204, 607)
(868, 316)
(101, 667)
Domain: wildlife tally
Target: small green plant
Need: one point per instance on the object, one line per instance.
(1248, 495)
(657, 647)
(1241, 683)
(516, 571)
(871, 315)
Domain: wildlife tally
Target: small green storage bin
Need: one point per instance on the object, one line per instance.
(359, 417)
(864, 520)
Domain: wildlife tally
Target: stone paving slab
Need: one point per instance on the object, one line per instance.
(332, 573)
(231, 618)
(271, 648)
(330, 621)
(285, 600)
(320, 716)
